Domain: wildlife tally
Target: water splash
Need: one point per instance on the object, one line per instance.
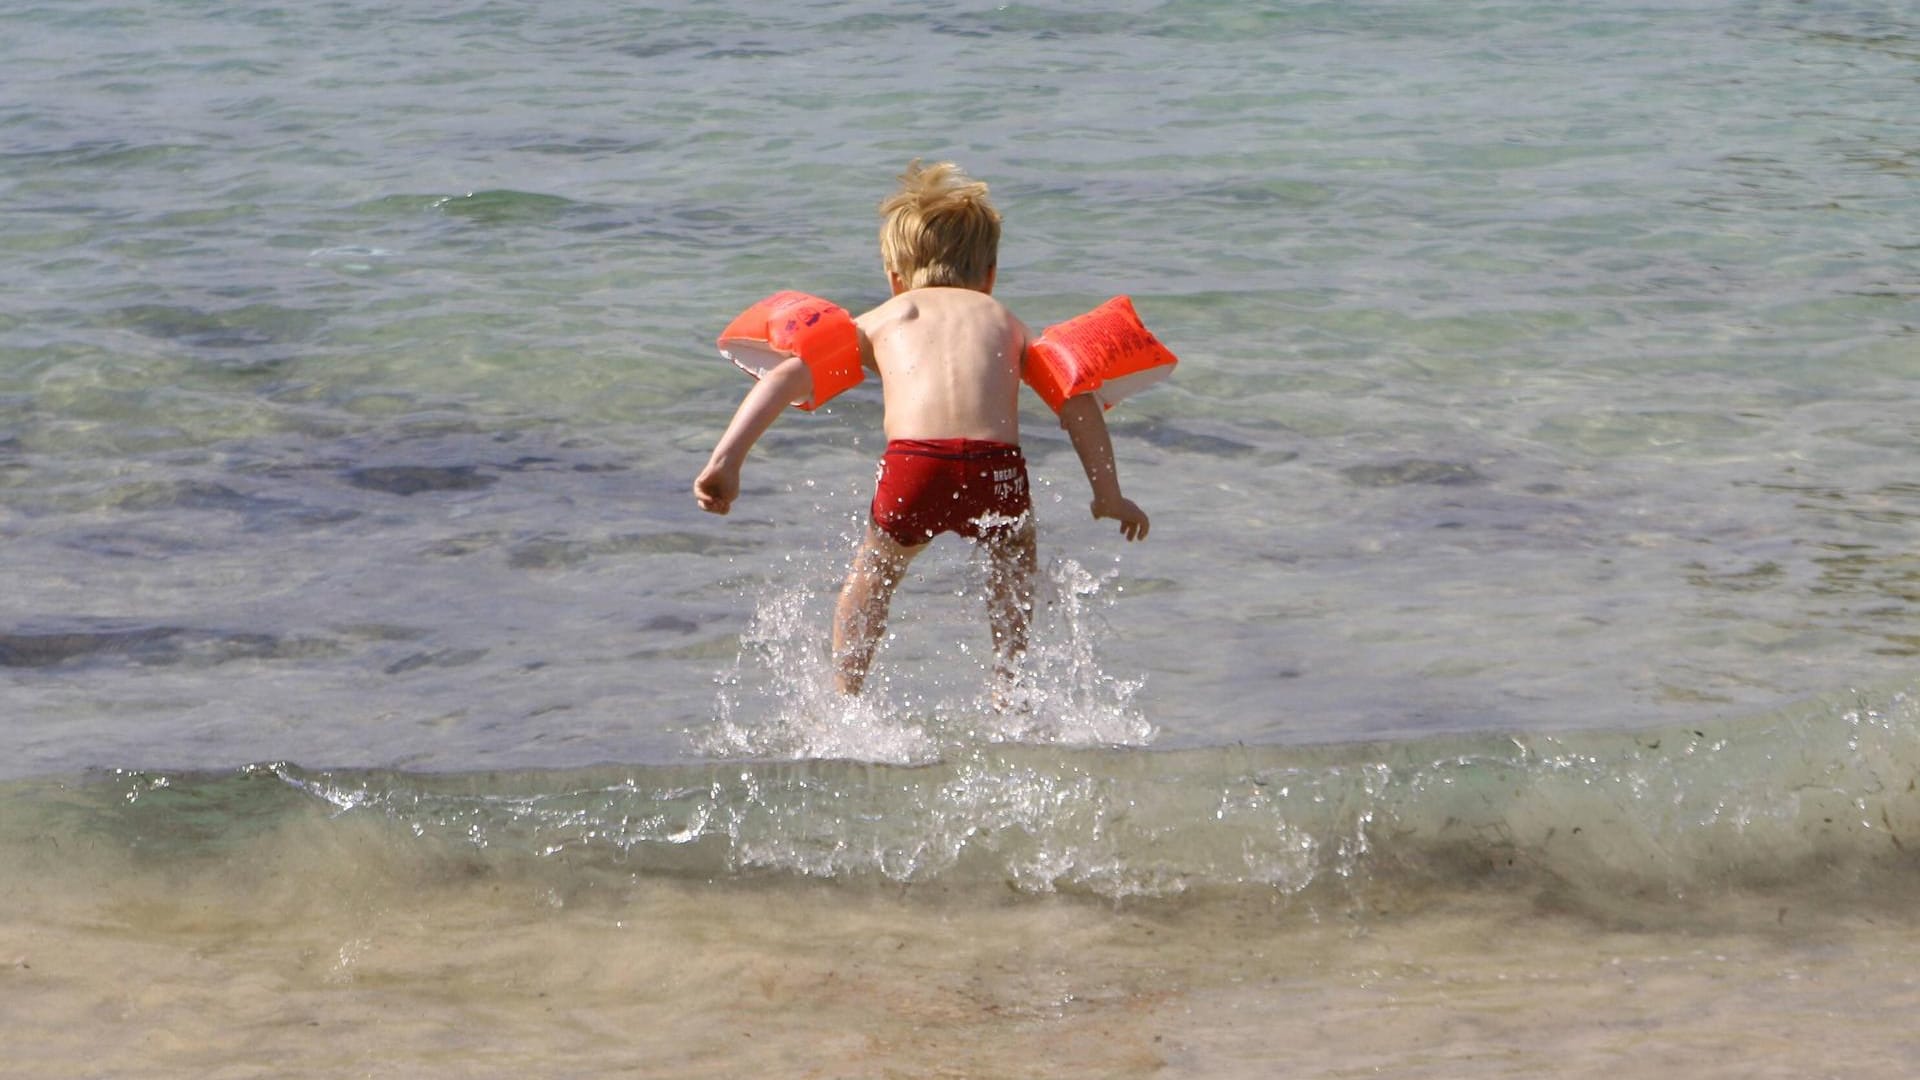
(1062, 695)
(932, 695)
(777, 699)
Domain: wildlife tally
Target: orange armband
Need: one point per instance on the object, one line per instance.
(1106, 352)
(790, 323)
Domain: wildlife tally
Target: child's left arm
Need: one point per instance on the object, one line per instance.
(719, 483)
(1086, 425)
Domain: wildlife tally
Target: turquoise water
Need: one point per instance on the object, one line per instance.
(1544, 425)
(1541, 368)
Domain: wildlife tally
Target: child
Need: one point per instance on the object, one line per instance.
(950, 360)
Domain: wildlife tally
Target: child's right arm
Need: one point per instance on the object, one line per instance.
(1086, 425)
(719, 483)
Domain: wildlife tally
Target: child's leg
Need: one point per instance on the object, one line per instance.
(1011, 561)
(861, 616)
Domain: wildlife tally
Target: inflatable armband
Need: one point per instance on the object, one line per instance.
(1106, 352)
(790, 323)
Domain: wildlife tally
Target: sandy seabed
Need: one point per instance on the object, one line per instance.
(278, 972)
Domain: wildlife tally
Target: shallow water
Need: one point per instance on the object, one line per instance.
(329, 946)
(1530, 586)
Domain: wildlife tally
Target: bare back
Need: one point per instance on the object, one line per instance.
(949, 363)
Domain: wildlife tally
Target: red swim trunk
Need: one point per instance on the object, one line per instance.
(931, 486)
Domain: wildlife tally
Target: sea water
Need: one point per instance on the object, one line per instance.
(1518, 680)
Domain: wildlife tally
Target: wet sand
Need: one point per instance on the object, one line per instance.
(268, 968)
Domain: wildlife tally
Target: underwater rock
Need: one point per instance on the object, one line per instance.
(445, 658)
(1413, 471)
(153, 646)
(415, 479)
(1169, 437)
(31, 650)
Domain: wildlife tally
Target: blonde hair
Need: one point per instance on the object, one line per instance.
(939, 228)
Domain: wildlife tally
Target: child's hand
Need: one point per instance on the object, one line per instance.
(1132, 519)
(716, 488)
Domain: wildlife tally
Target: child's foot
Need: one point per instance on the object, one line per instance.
(1009, 697)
